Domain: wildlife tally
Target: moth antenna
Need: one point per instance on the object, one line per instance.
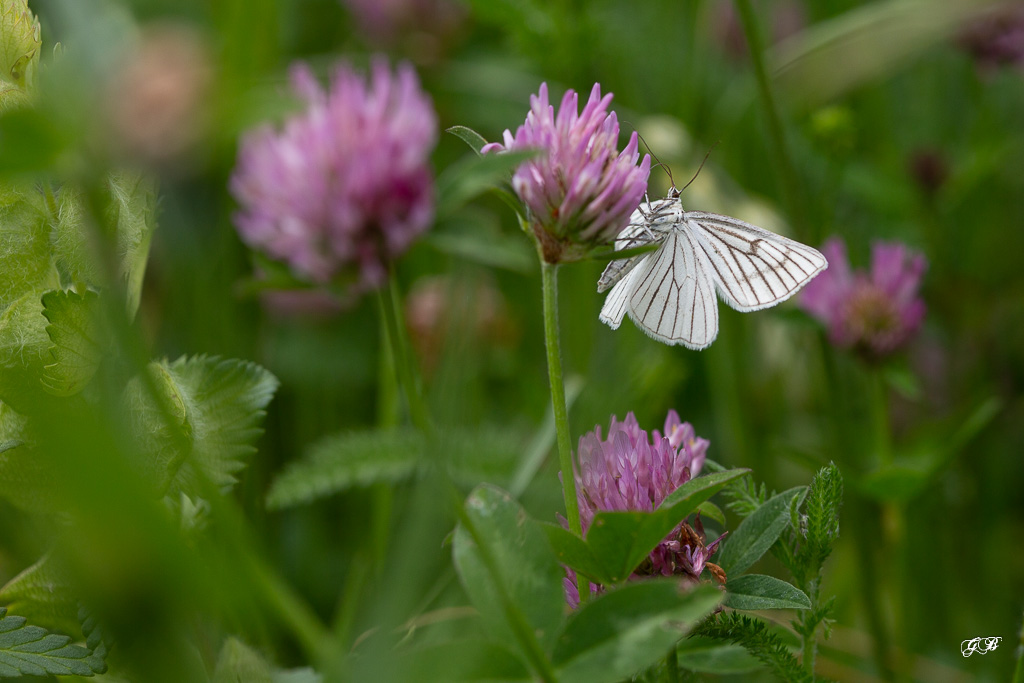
(668, 171)
(700, 167)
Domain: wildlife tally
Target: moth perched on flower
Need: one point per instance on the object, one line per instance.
(670, 293)
(631, 470)
(580, 190)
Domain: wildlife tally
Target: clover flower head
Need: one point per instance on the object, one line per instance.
(631, 470)
(580, 190)
(345, 186)
(876, 312)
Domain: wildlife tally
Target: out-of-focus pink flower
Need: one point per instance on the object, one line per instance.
(875, 312)
(633, 471)
(158, 97)
(580, 191)
(997, 38)
(438, 306)
(345, 186)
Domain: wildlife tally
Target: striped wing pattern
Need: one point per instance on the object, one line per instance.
(670, 293)
(752, 267)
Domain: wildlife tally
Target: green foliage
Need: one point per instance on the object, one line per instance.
(24, 245)
(821, 520)
(204, 422)
(617, 542)
(93, 639)
(861, 41)
(758, 640)
(745, 496)
(78, 340)
(516, 567)
(342, 461)
(757, 591)
(757, 533)
(31, 650)
(707, 655)
(616, 634)
(239, 663)
(127, 201)
(24, 353)
(20, 44)
(352, 459)
(43, 593)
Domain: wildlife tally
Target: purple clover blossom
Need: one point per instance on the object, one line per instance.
(996, 38)
(876, 312)
(345, 186)
(631, 471)
(580, 191)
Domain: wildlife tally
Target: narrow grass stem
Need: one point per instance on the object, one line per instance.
(776, 132)
(549, 279)
(398, 340)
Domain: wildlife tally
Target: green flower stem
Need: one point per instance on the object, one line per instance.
(549, 280)
(777, 134)
(408, 375)
(878, 406)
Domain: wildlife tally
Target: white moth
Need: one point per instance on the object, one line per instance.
(670, 292)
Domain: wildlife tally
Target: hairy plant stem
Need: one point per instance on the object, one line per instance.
(549, 281)
(777, 134)
(809, 631)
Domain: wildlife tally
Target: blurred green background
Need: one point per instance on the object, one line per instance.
(894, 130)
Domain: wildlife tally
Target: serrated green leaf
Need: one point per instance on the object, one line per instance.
(351, 459)
(705, 655)
(19, 45)
(757, 533)
(132, 213)
(42, 593)
(24, 245)
(32, 650)
(527, 570)
(239, 663)
(78, 340)
(621, 540)
(347, 460)
(93, 639)
(767, 645)
(24, 351)
(757, 591)
(614, 635)
(475, 141)
(206, 422)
